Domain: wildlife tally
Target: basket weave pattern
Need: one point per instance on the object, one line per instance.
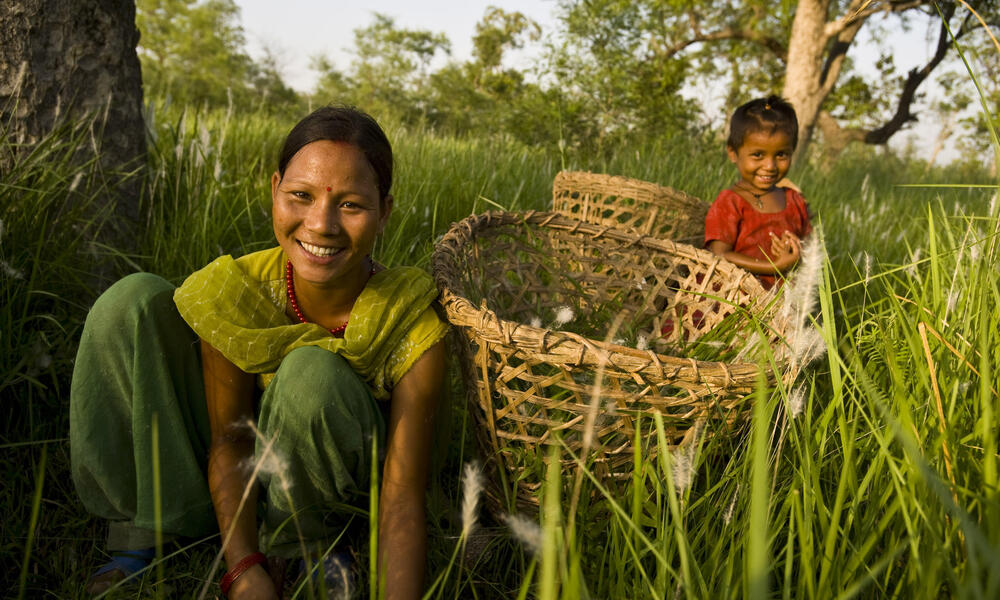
(629, 204)
(499, 272)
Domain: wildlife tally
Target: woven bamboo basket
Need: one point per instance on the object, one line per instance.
(546, 308)
(630, 204)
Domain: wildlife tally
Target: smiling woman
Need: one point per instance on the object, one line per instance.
(309, 339)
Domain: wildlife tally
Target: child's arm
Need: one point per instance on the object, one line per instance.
(785, 249)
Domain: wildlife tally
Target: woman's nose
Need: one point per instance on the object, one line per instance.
(324, 218)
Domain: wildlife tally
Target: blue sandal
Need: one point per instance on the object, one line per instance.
(123, 565)
(334, 574)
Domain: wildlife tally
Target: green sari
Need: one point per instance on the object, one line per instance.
(137, 396)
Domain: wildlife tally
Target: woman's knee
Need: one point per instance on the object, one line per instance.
(313, 382)
(131, 297)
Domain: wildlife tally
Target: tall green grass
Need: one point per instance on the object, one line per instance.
(875, 474)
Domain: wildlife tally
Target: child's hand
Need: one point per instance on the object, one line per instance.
(785, 250)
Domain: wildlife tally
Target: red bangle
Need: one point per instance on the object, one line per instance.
(257, 558)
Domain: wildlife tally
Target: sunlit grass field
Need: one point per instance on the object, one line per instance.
(873, 475)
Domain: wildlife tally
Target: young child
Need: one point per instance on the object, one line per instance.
(758, 224)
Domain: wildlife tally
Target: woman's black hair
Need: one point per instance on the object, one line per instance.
(343, 124)
(769, 115)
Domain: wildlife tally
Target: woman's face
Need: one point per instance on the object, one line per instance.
(327, 213)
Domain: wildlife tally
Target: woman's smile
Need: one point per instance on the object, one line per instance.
(319, 251)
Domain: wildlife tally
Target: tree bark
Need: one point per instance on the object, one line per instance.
(806, 48)
(72, 61)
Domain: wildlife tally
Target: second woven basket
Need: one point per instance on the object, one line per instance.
(553, 312)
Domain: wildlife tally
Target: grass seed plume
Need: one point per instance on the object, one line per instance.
(472, 488)
(525, 531)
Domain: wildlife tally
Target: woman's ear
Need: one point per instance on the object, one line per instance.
(386, 211)
(275, 180)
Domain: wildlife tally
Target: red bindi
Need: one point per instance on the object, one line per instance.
(328, 188)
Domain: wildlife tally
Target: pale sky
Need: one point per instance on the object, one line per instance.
(301, 29)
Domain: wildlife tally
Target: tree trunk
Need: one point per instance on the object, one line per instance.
(806, 48)
(67, 61)
(817, 49)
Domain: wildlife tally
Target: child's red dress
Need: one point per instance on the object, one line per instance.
(733, 220)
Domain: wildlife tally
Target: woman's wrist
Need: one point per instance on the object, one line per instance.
(245, 564)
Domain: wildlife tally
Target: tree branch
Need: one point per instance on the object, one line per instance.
(861, 13)
(913, 80)
(835, 137)
(835, 58)
(777, 47)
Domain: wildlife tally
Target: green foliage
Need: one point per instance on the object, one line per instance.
(854, 501)
(193, 52)
(613, 61)
(389, 71)
(498, 32)
(475, 97)
(875, 475)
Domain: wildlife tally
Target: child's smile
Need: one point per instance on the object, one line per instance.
(763, 159)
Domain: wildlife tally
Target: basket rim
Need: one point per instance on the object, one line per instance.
(624, 181)
(578, 350)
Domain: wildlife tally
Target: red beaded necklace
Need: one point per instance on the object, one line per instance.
(290, 288)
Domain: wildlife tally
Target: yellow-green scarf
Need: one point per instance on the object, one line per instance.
(243, 319)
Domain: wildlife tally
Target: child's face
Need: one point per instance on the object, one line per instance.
(763, 159)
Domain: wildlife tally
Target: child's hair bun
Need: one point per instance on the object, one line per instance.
(770, 114)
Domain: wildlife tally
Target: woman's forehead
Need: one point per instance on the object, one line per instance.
(328, 157)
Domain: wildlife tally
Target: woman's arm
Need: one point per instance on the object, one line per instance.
(229, 394)
(785, 249)
(402, 547)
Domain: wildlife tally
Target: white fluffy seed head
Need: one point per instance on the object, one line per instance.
(610, 408)
(683, 466)
(796, 401)
(272, 463)
(270, 460)
(641, 343)
(10, 271)
(564, 314)
(751, 348)
(803, 338)
(472, 488)
(525, 531)
(911, 268)
(727, 516)
(951, 302)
